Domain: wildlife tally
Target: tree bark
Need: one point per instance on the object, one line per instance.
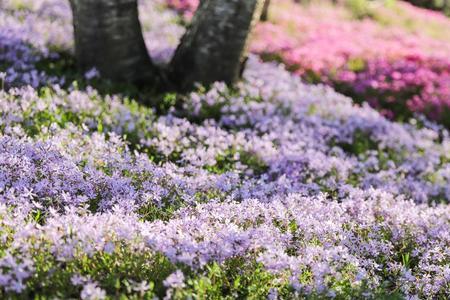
(214, 46)
(265, 11)
(108, 37)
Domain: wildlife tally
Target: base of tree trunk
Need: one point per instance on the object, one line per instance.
(108, 36)
(214, 46)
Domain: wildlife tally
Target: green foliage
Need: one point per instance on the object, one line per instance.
(227, 162)
(152, 212)
(439, 5)
(360, 144)
(235, 279)
(116, 273)
(360, 8)
(356, 64)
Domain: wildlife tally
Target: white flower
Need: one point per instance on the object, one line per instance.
(175, 280)
(92, 292)
(78, 279)
(141, 287)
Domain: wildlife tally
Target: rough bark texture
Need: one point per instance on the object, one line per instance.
(214, 46)
(265, 11)
(108, 37)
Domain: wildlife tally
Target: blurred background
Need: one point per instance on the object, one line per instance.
(393, 54)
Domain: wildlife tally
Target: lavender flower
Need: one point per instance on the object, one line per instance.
(92, 292)
(175, 280)
(293, 181)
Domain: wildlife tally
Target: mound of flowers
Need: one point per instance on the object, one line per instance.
(423, 82)
(274, 188)
(276, 193)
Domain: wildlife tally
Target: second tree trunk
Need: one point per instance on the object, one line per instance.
(214, 47)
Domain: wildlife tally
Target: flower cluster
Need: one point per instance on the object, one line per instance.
(422, 84)
(317, 247)
(187, 7)
(327, 47)
(274, 188)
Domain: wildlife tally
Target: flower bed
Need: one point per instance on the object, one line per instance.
(275, 188)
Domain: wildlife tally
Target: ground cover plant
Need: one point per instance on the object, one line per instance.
(271, 189)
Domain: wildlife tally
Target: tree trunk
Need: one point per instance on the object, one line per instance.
(108, 37)
(265, 12)
(214, 46)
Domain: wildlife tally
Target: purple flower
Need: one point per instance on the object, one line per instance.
(175, 280)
